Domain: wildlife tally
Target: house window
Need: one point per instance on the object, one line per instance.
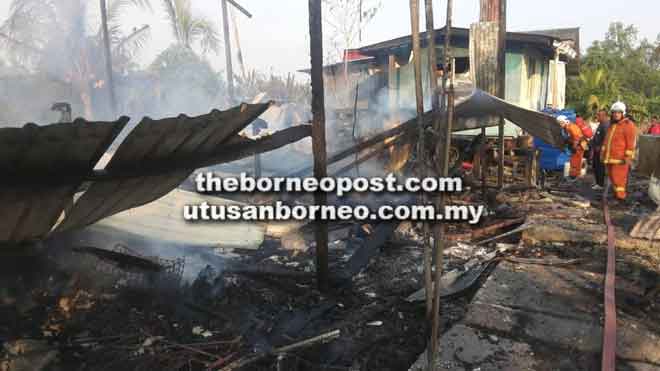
(462, 65)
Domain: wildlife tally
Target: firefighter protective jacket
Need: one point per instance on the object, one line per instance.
(619, 142)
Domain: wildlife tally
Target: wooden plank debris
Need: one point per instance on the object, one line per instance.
(369, 249)
(123, 260)
(323, 338)
(647, 228)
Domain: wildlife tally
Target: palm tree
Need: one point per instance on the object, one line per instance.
(53, 37)
(190, 30)
(593, 89)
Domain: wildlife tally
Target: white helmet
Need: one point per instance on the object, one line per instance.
(619, 107)
(562, 119)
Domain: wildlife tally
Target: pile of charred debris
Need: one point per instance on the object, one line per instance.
(70, 307)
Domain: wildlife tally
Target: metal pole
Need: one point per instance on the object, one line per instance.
(237, 40)
(318, 136)
(108, 57)
(240, 8)
(501, 70)
(230, 69)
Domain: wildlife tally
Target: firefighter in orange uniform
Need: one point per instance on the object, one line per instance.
(578, 145)
(619, 149)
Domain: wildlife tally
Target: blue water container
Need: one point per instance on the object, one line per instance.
(553, 158)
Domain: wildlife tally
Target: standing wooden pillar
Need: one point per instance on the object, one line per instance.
(108, 57)
(555, 82)
(230, 68)
(421, 152)
(318, 136)
(417, 66)
(483, 162)
(435, 104)
(501, 69)
(495, 11)
(443, 147)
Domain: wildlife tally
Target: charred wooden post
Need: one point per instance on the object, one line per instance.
(108, 57)
(435, 104)
(483, 163)
(440, 232)
(230, 69)
(318, 136)
(417, 66)
(501, 70)
(438, 229)
(421, 154)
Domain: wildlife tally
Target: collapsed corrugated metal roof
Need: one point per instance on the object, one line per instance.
(45, 166)
(475, 110)
(482, 105)
(30, 208)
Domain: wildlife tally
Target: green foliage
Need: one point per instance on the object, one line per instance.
(620, 67)
(189, 29)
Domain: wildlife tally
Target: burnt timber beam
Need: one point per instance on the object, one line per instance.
(318, 136)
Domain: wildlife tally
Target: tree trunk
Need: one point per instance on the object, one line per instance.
(108, 57)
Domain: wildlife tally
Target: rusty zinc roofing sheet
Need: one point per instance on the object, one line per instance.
(176, 146)
(43, 167)
(41, 155)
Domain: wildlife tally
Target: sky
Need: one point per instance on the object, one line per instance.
(276, 38)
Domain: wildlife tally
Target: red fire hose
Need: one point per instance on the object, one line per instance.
(609, 331)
